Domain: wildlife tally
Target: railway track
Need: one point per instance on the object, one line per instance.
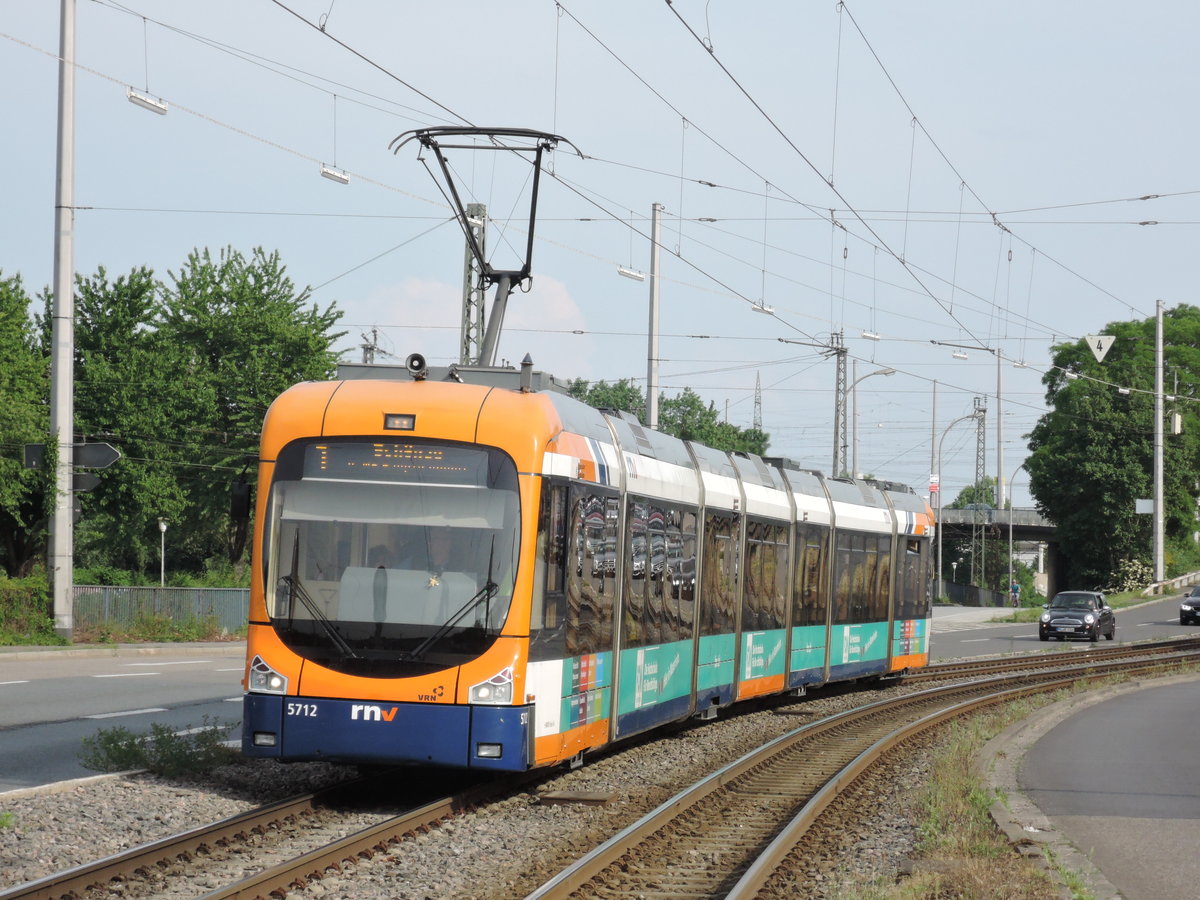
(730, 835)
(715, 859)
(1057, 658)
(185, 853)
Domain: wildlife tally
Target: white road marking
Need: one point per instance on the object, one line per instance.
(233, 699)
(173, 662)
(974, 640)
(128, 712)
(26, 681)
(126, 674)
(238, 669)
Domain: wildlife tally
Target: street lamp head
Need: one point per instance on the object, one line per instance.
(162, 524)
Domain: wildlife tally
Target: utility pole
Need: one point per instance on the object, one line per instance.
(977, 530)
(838, 348)
(1000, 492)
(757, 402)
(652, 346)
(474, 310)
(1159, 569)
(62, 360)
(369, 346)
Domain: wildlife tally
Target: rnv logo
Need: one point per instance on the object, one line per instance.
(371, 713)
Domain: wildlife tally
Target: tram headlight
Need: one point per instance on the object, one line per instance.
(265, 680)
(496, 691)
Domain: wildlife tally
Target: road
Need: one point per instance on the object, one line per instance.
(1114, 778)
(959, 632)
(51, 700)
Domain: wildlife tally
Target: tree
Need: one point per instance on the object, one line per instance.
(1092, 453)
(684, 416)
(25, 494)
(993, 548)
(178, 377)
(244, 334)
(131, 391)
(623, 396)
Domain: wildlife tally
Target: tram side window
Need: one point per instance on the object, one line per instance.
(548, 609)
(718, 578)
(590, 583)
(811, 590)
(854, 576)
(913, 602)
(659, 605)
(884, 592)
(679, 572)
(763, 599)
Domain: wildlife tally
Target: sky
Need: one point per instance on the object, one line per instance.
(930, 174)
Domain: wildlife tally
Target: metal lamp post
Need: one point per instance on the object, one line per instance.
(854, 416)
(1010, 525)
(941, 488)
(162, 552)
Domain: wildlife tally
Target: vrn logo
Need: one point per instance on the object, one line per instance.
(371, 713)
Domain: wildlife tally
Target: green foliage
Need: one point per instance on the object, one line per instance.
(148, 627)
(1092, 453)
(684, 416)
(160, 750)
(177, 375)
(25, 613)
(7, 819)
(1131, 575)
(24, 387)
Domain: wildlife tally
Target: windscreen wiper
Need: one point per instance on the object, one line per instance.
(485, 594)
(296, 589)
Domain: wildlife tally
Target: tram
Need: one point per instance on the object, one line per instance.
(469, 568)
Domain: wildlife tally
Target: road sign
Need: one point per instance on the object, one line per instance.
(96, 456)
(35, 456)
(1100, 344)
(84, 481)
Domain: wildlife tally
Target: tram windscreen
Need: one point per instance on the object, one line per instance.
(391, 557)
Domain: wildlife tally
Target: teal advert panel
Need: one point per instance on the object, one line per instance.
(651, 675)
(852, 644)
(586, 684)
(762, 654)
(715, 666)
(910, 637)
(808, 647)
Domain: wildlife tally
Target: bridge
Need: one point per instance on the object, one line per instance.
(1028, 525)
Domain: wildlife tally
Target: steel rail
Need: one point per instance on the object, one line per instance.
(296, 873)
(1059, 658)
(75, 881)
(659, 856)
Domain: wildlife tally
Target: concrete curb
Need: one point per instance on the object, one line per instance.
(99, 651)
(1027, 828)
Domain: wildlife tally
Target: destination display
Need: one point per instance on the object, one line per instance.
(395, 461)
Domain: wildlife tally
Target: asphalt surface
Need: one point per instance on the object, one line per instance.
(1103, 782)
(53, 699)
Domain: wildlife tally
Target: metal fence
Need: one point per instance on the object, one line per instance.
(969, 595)
(97, 605)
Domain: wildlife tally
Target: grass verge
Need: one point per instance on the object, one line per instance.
(161, 750)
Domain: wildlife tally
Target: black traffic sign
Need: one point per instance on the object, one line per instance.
(84, 481)
(87, 456)
(96, 456)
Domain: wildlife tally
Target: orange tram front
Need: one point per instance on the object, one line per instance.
(475, 573)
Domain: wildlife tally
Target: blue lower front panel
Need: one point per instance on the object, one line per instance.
(434, 734)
